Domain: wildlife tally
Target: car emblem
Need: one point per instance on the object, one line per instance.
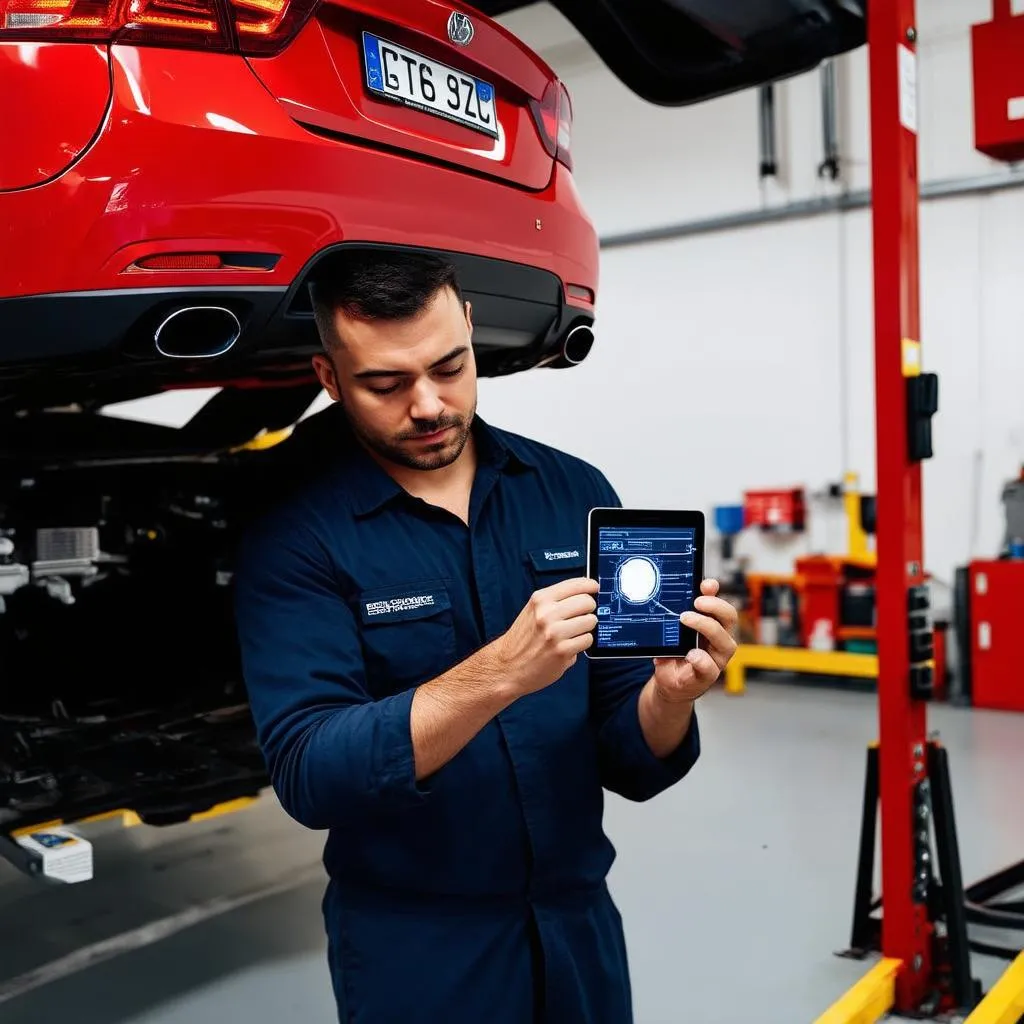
(460, 29)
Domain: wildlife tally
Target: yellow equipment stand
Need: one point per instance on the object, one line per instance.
(796, 659)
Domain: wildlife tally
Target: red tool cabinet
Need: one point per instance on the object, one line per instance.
(775, 510)
(996, 617)
(998, 56)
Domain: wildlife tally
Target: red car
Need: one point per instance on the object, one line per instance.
(171, 173)
(197, 161)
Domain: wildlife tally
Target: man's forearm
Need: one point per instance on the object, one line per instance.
(447, 712)
(664, 723)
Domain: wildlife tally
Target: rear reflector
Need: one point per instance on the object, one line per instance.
(186, 261)
(260, 26)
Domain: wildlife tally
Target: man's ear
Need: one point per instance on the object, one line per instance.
(324, 370)
(469, 316)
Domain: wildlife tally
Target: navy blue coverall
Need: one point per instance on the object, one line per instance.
(478, 895)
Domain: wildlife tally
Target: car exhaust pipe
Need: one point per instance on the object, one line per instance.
(197, 332)
(577, 345)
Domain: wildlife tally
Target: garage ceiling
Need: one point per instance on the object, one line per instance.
(673, 52)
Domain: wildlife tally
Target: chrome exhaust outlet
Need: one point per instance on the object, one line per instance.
(197, 332)
(577, 345)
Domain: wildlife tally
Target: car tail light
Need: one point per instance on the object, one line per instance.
(259, 26)
(264, 26)
(553, 115)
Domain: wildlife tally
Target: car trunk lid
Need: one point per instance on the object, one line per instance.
(441, 82)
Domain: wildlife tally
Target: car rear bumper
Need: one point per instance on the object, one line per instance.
(225, 169)
(96, 347)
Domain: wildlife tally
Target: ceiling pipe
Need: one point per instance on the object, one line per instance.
(829, 122)
(804, 208)
(769, 167)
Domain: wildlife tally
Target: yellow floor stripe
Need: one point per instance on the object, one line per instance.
(869, 999)
(130, 818)
(1004, 1003)
(229, 807)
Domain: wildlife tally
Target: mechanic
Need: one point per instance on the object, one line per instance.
(411, 623)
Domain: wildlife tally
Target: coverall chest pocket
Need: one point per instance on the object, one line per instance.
(551, 565)
(408, 634)
(562, 706)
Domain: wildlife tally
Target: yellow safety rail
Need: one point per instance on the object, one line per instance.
(796, 659)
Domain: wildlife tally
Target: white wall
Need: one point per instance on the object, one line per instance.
(745, 358)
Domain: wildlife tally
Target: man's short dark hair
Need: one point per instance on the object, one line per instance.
(377, 284)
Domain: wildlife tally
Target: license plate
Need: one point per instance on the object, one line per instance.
(409, 78)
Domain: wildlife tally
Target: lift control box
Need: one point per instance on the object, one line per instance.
(997, 50)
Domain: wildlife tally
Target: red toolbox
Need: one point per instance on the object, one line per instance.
(775, 510)
(998, 57)
(996, 614)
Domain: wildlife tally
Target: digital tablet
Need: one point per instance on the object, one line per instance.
(649, 565)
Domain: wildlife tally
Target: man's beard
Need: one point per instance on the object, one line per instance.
(430, 457)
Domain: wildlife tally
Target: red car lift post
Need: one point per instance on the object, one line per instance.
(923, 926)
(903, 765)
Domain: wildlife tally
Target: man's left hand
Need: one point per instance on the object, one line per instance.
(683, 680)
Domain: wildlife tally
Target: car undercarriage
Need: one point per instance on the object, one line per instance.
(121, 683)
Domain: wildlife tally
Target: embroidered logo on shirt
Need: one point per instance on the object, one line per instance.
(558, 556)
(557, 560)
(399, 604)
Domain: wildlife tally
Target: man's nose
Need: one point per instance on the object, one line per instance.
(426, 402)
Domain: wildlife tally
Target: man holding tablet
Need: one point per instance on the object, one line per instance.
(411, 623)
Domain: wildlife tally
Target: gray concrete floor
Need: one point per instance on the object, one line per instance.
(735, 888)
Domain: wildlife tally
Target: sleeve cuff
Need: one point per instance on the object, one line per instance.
(396, 782)
(650, 775)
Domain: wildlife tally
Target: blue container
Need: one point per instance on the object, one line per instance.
(729, 519)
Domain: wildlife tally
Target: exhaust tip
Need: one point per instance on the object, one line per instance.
(577, 345)
(197, 332)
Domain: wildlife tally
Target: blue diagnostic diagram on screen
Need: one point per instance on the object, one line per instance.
(646, 576)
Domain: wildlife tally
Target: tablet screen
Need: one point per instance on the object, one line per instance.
(648, 575)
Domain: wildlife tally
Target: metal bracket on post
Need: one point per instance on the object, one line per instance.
(922, 405)
(921, 644)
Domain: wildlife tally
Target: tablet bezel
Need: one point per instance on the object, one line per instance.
(626, 517)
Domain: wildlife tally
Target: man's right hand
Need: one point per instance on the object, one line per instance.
(549, 634)
(546, 638)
